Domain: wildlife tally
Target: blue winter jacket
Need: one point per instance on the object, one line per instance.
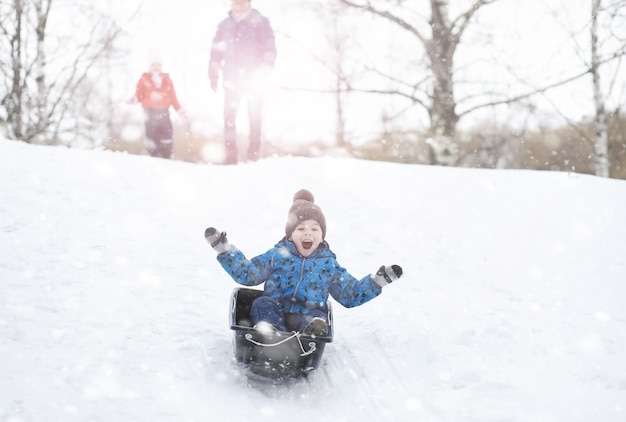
(240, 48)
(300, 284)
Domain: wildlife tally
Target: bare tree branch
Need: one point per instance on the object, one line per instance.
(388, 16)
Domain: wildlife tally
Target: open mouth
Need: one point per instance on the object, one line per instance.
(307, 244)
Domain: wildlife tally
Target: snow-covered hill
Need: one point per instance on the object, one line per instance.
(113, 308)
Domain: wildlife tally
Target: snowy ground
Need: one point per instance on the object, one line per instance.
(113, 308)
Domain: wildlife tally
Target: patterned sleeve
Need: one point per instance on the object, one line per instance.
(244, 271)
(350, 291)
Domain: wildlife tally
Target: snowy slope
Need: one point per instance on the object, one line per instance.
(113, 308)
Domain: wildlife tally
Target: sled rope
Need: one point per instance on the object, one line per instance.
(295, 335)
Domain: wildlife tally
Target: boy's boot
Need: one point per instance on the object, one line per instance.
(317, 327)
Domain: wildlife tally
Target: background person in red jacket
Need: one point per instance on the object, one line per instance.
(155, 91)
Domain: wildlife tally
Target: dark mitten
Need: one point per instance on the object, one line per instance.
(217, 239)
(386, 275)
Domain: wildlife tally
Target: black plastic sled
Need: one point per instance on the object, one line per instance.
(275, 354)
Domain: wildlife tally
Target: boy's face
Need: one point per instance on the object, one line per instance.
(307, 237)
(155, 67)
(239, 7)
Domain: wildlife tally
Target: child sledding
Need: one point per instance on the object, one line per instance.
(299, 272)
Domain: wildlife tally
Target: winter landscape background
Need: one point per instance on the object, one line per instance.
(113, 307)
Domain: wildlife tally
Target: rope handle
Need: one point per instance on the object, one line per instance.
(295, 334)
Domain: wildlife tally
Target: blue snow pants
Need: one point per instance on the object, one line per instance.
(266, 309)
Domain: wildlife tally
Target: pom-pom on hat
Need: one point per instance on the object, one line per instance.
(303, 209)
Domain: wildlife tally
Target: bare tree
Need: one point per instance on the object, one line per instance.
(338, 44)
(12, 63)
(440, 46)
(601, 58)
(47, 68)
(335, 60)
(601, 128)
(611, 11)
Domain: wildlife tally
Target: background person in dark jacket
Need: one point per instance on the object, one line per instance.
(244, 50)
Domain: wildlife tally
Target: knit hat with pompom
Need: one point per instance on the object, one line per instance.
(303, 209)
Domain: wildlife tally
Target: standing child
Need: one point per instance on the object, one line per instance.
(155, 91)
(299, 273)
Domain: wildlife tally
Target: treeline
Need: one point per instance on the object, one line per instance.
(431, 65)
(568, 148)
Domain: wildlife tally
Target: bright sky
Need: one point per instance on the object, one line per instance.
(524, 36)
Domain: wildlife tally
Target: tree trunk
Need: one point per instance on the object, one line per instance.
(443, 118)
(41, 124)
(15, 101)
(338, 44)
(601, 159)
(440, 49)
